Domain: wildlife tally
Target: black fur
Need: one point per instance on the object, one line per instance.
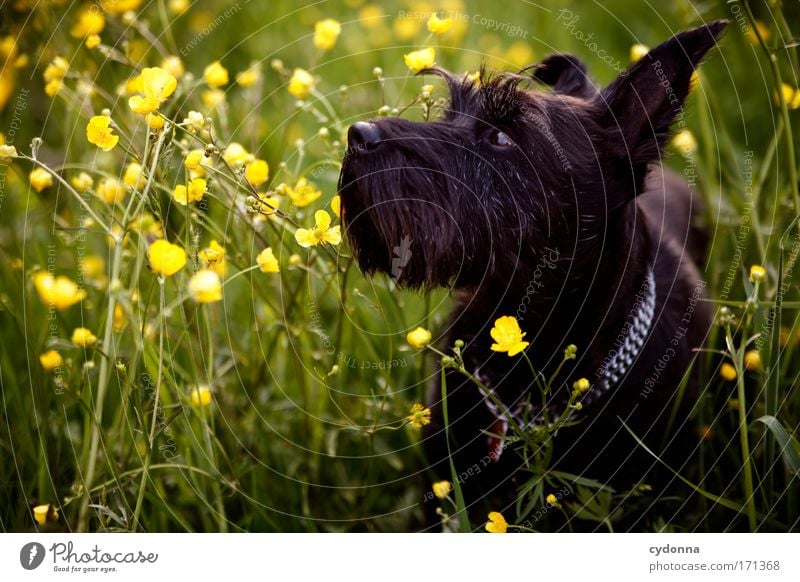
(559, 229)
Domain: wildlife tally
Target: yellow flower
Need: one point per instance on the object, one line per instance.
(301, 84)
(581, 386)
(438, 25)
(92, 41)
(178, 6)
(257, 172)
(7, 151)
(235, 152)
(553, 500)
(173, 65)
(157, 85)
(201, 396)
(336, 205)
(120, 320)
(727, 372)
(442, 489)
(205, 286)
(766, 34)
(215, 75)
(133, 176)
(757, 273)
(497, 523)
(303, 193)
(212, 98)
(193, 159)
(110, 190)
(508, 335)
(421, 59)
(684, 142)
(752, 360)
(325, 33)
(248, 77)
(44, 513)
(90, 21)
(638, 51)
(420, 416)
(322, 232)
(120, 6)
(166, 258)
(418, 338)
(93, 267)
(40, 179)
(56, 69)
(83, 337)
(82, 182)
(51, 360)
(791, 96)
(213, 258)
(183, 195)
(99, 133)
(59, 292)
(267, 261)
(195, 122)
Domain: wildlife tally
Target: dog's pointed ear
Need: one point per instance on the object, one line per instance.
(565, 74)
(638, 108)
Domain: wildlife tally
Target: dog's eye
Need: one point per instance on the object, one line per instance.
(499, 139)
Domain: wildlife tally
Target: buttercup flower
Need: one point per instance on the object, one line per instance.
(40, 179)
(82, 182)
(727, 372)
(752, 360)
(99, 133)
(7, 151)
(442, 489)
(193, 160)
(235, 152)
(684, 142)
(421, 59)
(322, 232)
(553, 501)
(83, 337)
(419, 417)
(301, 84)
(267, 261)
(508, 335)
(205, 286)
(111, 190)
(183, 195)
(325, 33)
(336, 205)
(757, 273)
(92, 41)
(213, 97)
(215, 75)
(302, 193)
(201, 396)
(751, 35)
(791, 96)
(194, 121)
(497, 523)
(581, 386)
(133, 176)
(257, 172)
(44, 513)
(90, 21)
(59, 292)
(213, 258)
(54, 75)
(50, 360)
(418, 338)
(157, 85)
(248, 77)
(638, 51)
(166, 258)
(120, 6)
(173, 65)
(438, 25)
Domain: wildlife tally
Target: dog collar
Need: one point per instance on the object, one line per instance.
(627, 347)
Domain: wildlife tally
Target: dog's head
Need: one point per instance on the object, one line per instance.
(508, 171)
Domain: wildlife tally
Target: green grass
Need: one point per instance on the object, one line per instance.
(310, 371)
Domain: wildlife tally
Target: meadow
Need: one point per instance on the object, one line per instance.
(186, 343)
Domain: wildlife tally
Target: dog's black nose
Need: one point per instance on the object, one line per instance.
(363, 134)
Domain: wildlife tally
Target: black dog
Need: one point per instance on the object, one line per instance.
(550, 207)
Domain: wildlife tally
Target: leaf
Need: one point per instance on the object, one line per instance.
(790, 448)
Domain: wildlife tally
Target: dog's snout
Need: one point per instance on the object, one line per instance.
(363, 134)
